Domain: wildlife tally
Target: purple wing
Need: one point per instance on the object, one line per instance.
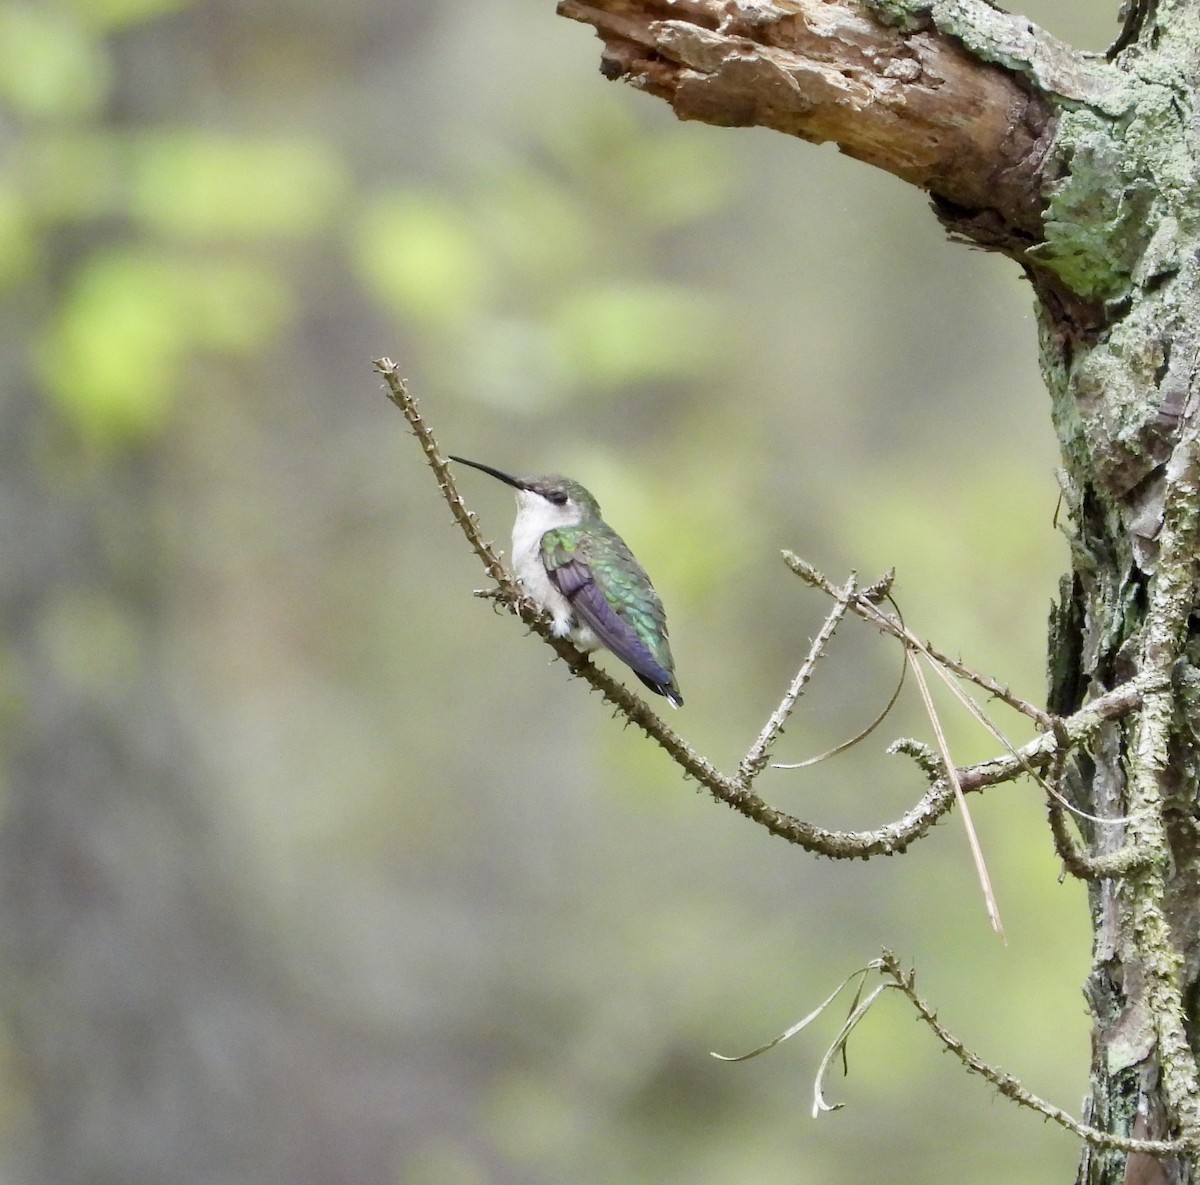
(574, 580)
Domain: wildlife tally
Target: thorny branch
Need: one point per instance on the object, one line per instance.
(756, 759)
(736, 790)
(869, 611)
(1009, 1086)
(896, 978)
(1141, 860)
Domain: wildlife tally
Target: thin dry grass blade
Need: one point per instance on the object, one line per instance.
(800, 1024)
(985, 881)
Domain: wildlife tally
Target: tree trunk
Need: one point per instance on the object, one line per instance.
(1082, 169)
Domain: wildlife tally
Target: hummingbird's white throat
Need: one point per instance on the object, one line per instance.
(535, 516)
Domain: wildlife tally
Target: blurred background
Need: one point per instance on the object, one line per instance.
(312, 868)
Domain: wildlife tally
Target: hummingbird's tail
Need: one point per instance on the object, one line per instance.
(669, 690)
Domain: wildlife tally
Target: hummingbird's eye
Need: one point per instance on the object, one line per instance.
(558, 497)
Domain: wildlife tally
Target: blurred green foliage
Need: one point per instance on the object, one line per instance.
(545, 283)
(489, 938)
(51, 66)
(175, 281)
(113, 354)
(206, 188)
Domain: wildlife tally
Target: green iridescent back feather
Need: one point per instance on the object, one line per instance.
(623, 581)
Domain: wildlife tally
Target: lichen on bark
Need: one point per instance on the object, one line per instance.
(1089, 181)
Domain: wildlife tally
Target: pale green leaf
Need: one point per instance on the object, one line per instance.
(49, 64)
(630, 332)
(199, 186)
(421, 258)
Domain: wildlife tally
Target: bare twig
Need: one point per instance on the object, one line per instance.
(1078, 729)
(895, 977)
(756, 757)
(1076, 860)
(399, 394)
(889, 624)
(737, 791)
(1061, 740)
(1062, 737)
(1127, 859)
(1009, 1086)
(862, 733)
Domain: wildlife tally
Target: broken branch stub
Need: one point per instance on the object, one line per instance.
(913, 102)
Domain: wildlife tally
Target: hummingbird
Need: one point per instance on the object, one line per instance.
(581, 572)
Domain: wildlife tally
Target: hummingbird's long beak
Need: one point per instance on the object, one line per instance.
(507, 478)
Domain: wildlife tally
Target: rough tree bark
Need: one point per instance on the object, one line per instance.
(1082, 168)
